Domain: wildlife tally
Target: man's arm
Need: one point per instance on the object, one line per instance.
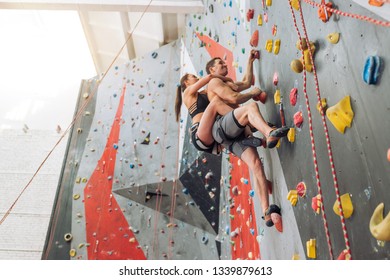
(230, 96)
(248, 76)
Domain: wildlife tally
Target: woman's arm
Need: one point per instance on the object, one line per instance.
(193, 89)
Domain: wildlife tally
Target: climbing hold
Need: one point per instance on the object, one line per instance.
(76, 196)
(79, 130)
(372, 70)
(254, 39)
(388, 154)
(292, 196)
(323, 13)
(275, 79)
(379, 227)
(78, 180)
(291, 135)
(376, 3)
(295, 4)
(298, 119)
(68, 237)
(316, 203)
(302, 42)
(249, 14)
(296, 65)
(277, 46)
(205, 239)
(211, 8)
(295, 257)
(115, 146)
(307, 59)
(344, 255)
(259, 20)
(322, 105)
(72, 252)
(146, 140)
(251, 193)
(185, 191)
(262, 97)
(268, 45)
(301, 188)
(86, 95)
(154, 54)
(277, 97)
(131, 165)
(274, 29)
(311, 248)
(341, 114)
(333, 37)
(235, 190)
(268, 2)
(293, 96)
(346, 204)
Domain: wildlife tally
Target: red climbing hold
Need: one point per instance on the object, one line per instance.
(293, 96)
(298, 119)
(255, 39)
(249, 14)
(388, 154)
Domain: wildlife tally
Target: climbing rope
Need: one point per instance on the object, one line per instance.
(330, 154)
(312, 135)
(345, 14)
(335, 181)
(79, 113)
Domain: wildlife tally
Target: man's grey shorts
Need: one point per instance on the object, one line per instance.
(229, 133)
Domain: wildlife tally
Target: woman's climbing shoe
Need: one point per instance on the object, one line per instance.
(255, 142)
(275, 135)
(272, 217)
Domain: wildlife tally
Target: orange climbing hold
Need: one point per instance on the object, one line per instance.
(255, 39)
(376, 3)
(344, 255)
(323, 13)
(316, 203)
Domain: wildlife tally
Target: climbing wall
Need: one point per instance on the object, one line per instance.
(120, 196)
(133, 186)
(341, 154)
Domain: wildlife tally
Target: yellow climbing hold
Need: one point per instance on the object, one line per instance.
(72, 253)
(78, 180)
(278, 144)
(291, 135)
(76, 196)
(311, 248)
(268, 45)
(296, 257)
(259, 20)
(292, 196)
(323, 104)
(308, 64)
(379, 227)
(296, 65)
(341, 114)
(295, 4)
(268, 2)
(277, 46)
(346, 203)
(277, 96)
(333, 37)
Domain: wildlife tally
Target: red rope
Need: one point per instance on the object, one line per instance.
(330, 154)
(356, 16)
(312, 137)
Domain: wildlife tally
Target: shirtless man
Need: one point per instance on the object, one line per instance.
(228, 130)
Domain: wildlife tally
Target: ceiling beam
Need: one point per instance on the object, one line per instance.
(155, 6)
(126, 27)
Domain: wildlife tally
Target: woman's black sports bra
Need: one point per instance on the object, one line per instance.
(199, 105)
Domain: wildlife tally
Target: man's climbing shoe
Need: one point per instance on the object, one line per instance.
(275, 135)
(272, 217)
(255, 142)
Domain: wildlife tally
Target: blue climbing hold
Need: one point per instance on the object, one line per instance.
(154, 54)
(131, 165)
(227, 229)
(201, 73)
(115, 146)
(185, 191)
(252, 231)
(251, 193)
(372, 70)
